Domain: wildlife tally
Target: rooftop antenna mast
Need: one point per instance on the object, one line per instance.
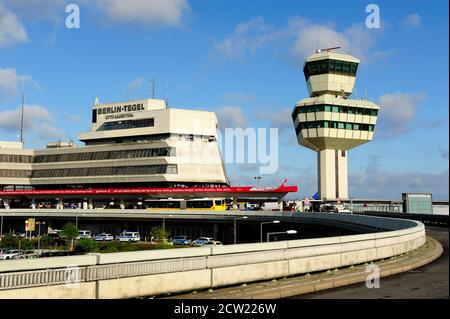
(22, 112)
(167, 94)
(153, 87)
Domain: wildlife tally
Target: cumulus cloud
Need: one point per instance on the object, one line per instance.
(397, 112)
(10, 81)
(144, 12)
(135, 86)
(305, 37)
(11, 29)
(412, 20)
(230, 117)
(247, 38)
(38, 121)
(374, 183)
(39, 10)
(280, 119)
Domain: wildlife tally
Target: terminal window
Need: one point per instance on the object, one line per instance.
(121, 125)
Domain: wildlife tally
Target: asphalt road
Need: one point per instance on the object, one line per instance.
(430, 281)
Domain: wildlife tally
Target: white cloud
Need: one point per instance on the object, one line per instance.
(39, 10)
(397, 112)
(412, 20)
(247, 38)
(303, 35)
(135, 85)
(11, 30)
(144, 12)
(356, 40)
(279, 119)
(38, 121)
(230, 117)
(10, 81)
(375, 183)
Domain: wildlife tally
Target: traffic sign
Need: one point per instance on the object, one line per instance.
(32, 224)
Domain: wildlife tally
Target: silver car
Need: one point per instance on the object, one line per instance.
(104, 237)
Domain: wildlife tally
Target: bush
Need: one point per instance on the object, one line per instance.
(159, 234)
(47, 241)
(111, 247)
(9, 241)
(26, 244)
(86, 245)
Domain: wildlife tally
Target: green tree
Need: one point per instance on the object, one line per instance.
(70, 232)
(86, 245)
(159, 234)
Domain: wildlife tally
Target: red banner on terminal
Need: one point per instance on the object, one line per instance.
(158, 190)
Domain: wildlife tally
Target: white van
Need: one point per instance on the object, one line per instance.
(84, 234)
(129, 236)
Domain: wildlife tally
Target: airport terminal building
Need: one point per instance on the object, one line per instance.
(135, 149)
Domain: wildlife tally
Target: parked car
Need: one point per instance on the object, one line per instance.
(10, 254)
(213, 243)
(84, 234)
(104, 237)
(201, 241)
(26, 254)
(129, 236)
(182, 240)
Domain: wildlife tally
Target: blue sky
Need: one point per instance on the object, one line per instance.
(243, 60)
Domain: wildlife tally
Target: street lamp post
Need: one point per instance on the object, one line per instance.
(289, 232)
(1, 229)
(261, 226)
(234, 228)
(39, 236)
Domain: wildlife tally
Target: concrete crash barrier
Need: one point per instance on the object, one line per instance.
(147, 273)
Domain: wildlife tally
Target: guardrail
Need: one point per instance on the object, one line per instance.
(427, 219)
(146, 273)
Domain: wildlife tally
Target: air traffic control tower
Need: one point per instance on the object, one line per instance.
(331, 123)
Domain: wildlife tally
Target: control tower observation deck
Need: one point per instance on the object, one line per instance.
(330, 123)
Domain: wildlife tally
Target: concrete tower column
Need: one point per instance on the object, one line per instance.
(332, 174)
(342, 174)
(326, 173)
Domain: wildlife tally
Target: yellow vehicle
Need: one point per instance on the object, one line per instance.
(206, 204)
(191, 204)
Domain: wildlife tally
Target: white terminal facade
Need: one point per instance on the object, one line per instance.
(329, 122)
(139, 143)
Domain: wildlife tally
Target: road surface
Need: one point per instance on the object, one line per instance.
(430, 281)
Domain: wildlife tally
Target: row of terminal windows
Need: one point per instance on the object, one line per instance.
(121, 125)
(16, 158)
(330, 66)
(103, 171)
(334, 109)
(14, 173)
(338, 125)
(95, 156)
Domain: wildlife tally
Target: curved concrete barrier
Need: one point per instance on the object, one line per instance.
(146, 273)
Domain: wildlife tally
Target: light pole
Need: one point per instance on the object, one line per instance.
(258, 178)
(1, 229)
(289, 232)
(164, 222)
(261, 226)
(39, 236)
(234, 228)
